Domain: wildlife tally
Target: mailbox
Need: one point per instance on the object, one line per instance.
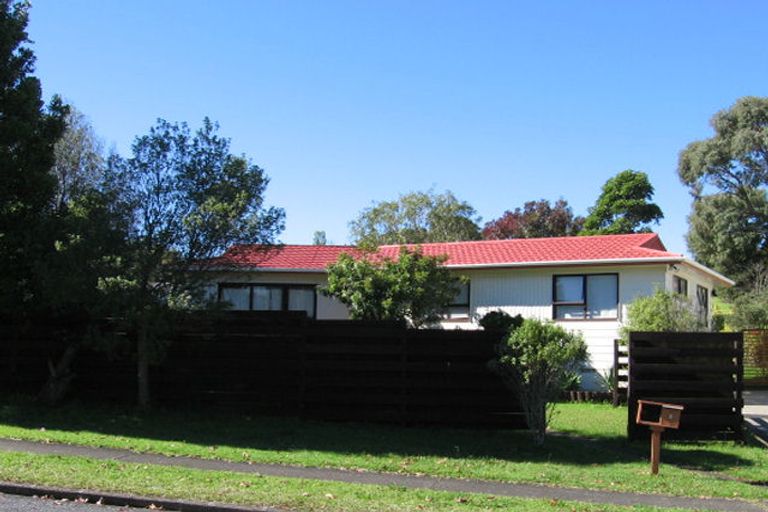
(658, 414)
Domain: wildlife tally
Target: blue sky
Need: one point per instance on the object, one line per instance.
(345, 103)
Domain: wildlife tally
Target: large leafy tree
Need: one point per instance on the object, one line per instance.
(624, 206)
(414, 218)
(79, 160)
(28, 132)
(188, 199)
(413, 288)
(727, 175)
(536, 219)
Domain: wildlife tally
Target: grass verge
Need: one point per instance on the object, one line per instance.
(592, 451)
(290, 494)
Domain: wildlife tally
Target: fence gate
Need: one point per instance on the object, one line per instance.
(701, 371)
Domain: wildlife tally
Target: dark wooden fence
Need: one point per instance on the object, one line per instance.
(702, 371)
(338, 370)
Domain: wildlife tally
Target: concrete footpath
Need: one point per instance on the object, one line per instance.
(372, 478)
(756, 413)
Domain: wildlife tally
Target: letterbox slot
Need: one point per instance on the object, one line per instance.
(650, 413)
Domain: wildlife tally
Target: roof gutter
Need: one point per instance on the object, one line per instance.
(526, 264)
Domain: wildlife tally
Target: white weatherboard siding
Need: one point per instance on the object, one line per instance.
(528, 292)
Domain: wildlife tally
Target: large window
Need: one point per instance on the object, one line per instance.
(585, 297)
(269, 297)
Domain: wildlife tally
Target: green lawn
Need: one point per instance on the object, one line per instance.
(588, 450)
(281, 493)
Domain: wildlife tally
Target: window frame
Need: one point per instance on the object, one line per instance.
(449, 314)
(585, 303)
(676, 281)
(284, 300)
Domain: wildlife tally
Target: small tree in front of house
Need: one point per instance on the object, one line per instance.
(536, 360)
(413, 288)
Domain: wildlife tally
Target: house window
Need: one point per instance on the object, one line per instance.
(680, 286)
(584, 297)
(269, 297)
(702, 299)
(459, 307)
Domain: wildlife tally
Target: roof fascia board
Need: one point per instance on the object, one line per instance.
(570, 263)
(716, 275)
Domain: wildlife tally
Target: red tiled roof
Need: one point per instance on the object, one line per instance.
(490, 252)
(288, 257)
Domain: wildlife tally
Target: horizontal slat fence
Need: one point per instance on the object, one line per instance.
(287, 364)
(701, 371)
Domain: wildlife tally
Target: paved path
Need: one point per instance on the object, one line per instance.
(755, 412)
(413, 482)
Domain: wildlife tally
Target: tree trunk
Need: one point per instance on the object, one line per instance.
(59, 376)
(142, 364)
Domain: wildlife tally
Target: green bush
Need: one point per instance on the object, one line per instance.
(500, 321)
(535, 361)
(662, 312)
(413, 288)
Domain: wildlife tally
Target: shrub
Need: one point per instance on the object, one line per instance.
(661, 312)
(535, 361)
(500, 321)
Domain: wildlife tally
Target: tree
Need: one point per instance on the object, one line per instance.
(727, 176)
(79, 159)
(536, 360)
(415, 218)
(413, 288)
(537, 219)
(318, 238)
(28, 132)
(188, 199)
(623, 206)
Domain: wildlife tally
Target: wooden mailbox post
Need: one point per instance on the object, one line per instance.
(658, 416)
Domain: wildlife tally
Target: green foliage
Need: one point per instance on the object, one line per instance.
(416, 218)
(500, 321)
(724, 235)
(535, 360)
(319, 238)
(623, 206)
(537, 219)
(28, 132)
(750, 311)
(662, 312)
(413, 288)
(79, 160)
(727, 174)
(188, 199)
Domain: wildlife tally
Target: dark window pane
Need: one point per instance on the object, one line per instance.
(602, 296)
(237, 296)
(569, 289)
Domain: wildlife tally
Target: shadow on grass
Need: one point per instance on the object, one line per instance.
(207, 427)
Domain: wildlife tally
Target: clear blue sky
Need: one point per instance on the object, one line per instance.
(345, 103)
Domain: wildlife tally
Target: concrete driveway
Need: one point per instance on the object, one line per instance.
(756, 412)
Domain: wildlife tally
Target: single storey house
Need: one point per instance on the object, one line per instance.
(582, 283)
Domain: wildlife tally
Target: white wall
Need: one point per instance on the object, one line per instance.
(694, 277)
(528, 292)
